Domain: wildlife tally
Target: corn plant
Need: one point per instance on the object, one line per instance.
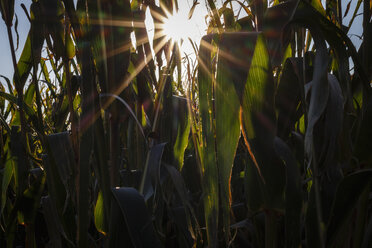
(263, 142)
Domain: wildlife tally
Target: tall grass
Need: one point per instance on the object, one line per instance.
(267, 146)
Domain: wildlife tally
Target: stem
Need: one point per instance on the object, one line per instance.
(155, 122)
(362, 210)
(339, 10)
(19, 88)
(30, 235)
(66, 63)
(270, 229)
(215, 16)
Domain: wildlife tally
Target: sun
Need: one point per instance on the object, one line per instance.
(178, 27)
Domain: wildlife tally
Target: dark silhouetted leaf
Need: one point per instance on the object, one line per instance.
(152, 170)
(293, 194)
(348, 193)
(288, 96)
(130, 209)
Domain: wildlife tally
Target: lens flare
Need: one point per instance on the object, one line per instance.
(178, 27)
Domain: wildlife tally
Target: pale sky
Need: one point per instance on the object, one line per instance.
(6, 67)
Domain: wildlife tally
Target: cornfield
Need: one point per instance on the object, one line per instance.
(263, 141)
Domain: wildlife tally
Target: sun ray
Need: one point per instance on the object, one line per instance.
(84, 124)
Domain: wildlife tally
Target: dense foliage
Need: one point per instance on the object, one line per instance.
(263, 142)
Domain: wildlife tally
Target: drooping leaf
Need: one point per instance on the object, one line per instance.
(319, 95)
(275, 22)
(151, 171)
(129, 210)
(10, 88)
(13, 100)
(31, 52)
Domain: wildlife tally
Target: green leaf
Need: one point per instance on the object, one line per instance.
(99, 214)
(10, 88)
(31, 52)
(30, 94)
(30, 201)
(12, 99)
(229, 18)
(259, 121)
(7, 177)
(20, 159)
(182, 123)
(227, 108)
(2, 100)
(70, 48)
(317, 4)
(207, 142)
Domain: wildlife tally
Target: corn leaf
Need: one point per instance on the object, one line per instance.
(207, 142)
(227, 108)
(7, 11)
(7, 177)
(31, 52)
(151, 171)
(289, 94)
(348, 193)
(293, 194)
(181, 124)
(99, 220)
(258, 122)
(136, 230)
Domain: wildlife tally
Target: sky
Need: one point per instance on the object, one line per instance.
(6, 68)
